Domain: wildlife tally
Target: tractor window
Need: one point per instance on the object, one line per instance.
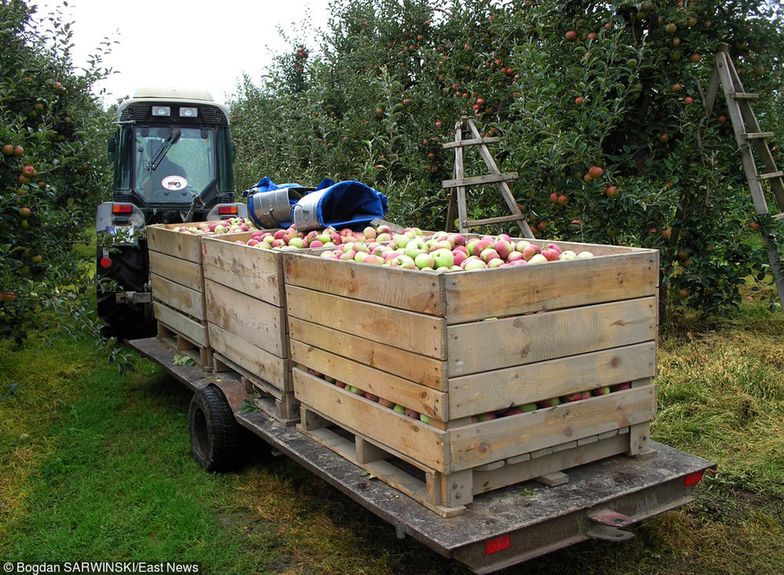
(172, 165)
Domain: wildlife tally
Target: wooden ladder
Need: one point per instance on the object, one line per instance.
(749, 136)
(460, 183)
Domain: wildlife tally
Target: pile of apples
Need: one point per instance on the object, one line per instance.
(514, 410)
(329, 237)
(444, 251)
(228, 226)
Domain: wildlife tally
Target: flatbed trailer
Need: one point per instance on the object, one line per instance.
(501, 528)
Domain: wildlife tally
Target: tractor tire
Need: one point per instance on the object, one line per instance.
(130, 270)
(218, 442)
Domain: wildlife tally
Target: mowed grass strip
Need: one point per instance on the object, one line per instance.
(110, 475)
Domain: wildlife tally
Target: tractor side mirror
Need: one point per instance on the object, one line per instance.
(111, 145)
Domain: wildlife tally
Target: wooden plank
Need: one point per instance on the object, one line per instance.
(479, 180)
(256, 361)
(406, 330)
(252, 271)
(493, 390)
(191, 329)
(188, 301)
(471, 142)
(259, 323)
(414, 367)
(559, 461)
(488, 345)
(462, 208)
(472, 296)
(390, 387)
(757, 135)
(489, 221)
(357, 414)
(509, 436)
(161, 238)
(180, 271)
(411, 290)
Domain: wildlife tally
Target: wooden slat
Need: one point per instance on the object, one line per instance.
(390, 387)
(160, 238)
(557, 461)
(415, 332)
(744, 96)
(259, 323)
(471, 142)
(479, 180)
(412, 438)
(414, 367)
(488, 221)
(256, 361)
(757, 135)
(192, 330)
(494, 390)
(183, 272)
(510, 436)
(770, 175)
(255, 272)
(411, 290)
(495, 344)
(472, 296)
(176, 296)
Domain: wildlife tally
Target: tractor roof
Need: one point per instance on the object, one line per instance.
(171, 94)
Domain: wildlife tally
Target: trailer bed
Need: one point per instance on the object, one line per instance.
(501, 528)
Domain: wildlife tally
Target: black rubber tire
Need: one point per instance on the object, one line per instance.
(218, 442)
(130, 270)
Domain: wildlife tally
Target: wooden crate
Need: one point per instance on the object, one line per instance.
(456, 345)
(177, 282)
(246, 317)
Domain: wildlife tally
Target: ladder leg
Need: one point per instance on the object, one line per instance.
(450, 211)
(775, 266)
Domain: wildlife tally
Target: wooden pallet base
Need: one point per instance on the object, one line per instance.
(184, 345)
(280, 405)
(448, 494)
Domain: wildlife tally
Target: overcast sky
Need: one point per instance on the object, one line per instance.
(207, 44)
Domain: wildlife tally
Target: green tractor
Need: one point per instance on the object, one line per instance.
(172, 155)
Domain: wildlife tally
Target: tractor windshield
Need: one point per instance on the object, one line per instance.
(172, 165)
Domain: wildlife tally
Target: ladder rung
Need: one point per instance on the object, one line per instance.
(498, 220)
(779, 217)
(770, 176)
(744, 96)
(757, 135)
(472, 142)
(479, 180)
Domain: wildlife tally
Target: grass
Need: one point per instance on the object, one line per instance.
(97, 466)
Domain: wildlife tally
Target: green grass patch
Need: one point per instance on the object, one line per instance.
(106, 472)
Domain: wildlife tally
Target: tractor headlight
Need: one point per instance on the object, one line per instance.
(161, 111)
(189, 112)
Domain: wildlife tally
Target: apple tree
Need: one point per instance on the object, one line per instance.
(52, 169)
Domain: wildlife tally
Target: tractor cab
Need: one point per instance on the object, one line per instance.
(172, 156)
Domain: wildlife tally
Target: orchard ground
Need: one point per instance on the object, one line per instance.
(97, 466)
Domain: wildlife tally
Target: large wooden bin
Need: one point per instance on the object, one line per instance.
(246, 319)
(457, 345)
(178, 287)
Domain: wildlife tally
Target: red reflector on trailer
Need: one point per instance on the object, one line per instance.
(122, 208)
(226, 210)
(498, 544)
(105, 263)
(693, 478)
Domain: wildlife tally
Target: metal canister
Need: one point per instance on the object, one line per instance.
(305, 212)
(273, 207)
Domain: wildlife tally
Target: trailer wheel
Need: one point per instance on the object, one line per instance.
(216, 437)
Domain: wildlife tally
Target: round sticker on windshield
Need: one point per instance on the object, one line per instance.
(174, 183)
